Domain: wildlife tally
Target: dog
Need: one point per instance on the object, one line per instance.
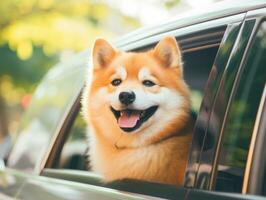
(137, 106)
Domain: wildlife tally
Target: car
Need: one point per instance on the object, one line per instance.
(224, 55)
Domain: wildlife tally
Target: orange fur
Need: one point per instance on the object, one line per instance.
(158, 156)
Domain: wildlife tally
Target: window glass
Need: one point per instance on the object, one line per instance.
(51, 101)
(241, 117)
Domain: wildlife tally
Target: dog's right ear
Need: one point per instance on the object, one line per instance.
(168, 52)
(102, 53)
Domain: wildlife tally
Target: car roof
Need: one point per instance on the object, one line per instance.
(195, 16)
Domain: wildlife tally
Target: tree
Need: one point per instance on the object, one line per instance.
(33, 33)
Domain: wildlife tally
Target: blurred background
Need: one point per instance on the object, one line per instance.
(36, 34)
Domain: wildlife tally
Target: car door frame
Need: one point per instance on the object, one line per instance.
(218, 25)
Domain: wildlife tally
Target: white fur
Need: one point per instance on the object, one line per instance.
(170, 104)
(168, 101)
(143, 101)
(120, 72)
(144, 73)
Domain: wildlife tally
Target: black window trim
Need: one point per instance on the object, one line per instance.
(252, 15)
(127, 185)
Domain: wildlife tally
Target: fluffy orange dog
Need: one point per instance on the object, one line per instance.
(138, 108)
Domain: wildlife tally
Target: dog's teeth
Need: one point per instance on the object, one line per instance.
(142, 113)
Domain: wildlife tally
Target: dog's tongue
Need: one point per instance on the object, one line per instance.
(128, 120)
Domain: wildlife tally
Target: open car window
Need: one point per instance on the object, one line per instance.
(197, 65)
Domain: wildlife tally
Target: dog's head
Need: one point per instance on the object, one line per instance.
(134, 99)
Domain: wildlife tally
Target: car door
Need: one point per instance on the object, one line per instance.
(200, 44)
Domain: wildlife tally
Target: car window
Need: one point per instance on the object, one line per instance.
(241, 116)
(197, 65)
(50, 104)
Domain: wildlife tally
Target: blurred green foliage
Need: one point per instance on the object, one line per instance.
(54, 25)
(33, 34)
(171, 3)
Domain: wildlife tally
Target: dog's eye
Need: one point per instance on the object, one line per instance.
(116, 82)
(148, 83)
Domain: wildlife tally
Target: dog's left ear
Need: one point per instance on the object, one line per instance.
(168, 52)
(102, 53)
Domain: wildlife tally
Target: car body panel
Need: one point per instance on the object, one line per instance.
(136, 186)
(43, 188)
(183, 31)
(10, 184)
(203, 195)
(216, 11)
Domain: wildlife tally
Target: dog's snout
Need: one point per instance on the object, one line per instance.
(127, 97)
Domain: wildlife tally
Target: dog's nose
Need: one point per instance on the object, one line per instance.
(127, 97)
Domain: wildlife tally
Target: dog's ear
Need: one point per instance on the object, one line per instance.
(102, 53)
(168, 52)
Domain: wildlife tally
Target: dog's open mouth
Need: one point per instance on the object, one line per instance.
(130, 120)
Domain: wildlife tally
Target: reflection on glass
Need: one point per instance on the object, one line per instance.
(241, 117)
(51, 102)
